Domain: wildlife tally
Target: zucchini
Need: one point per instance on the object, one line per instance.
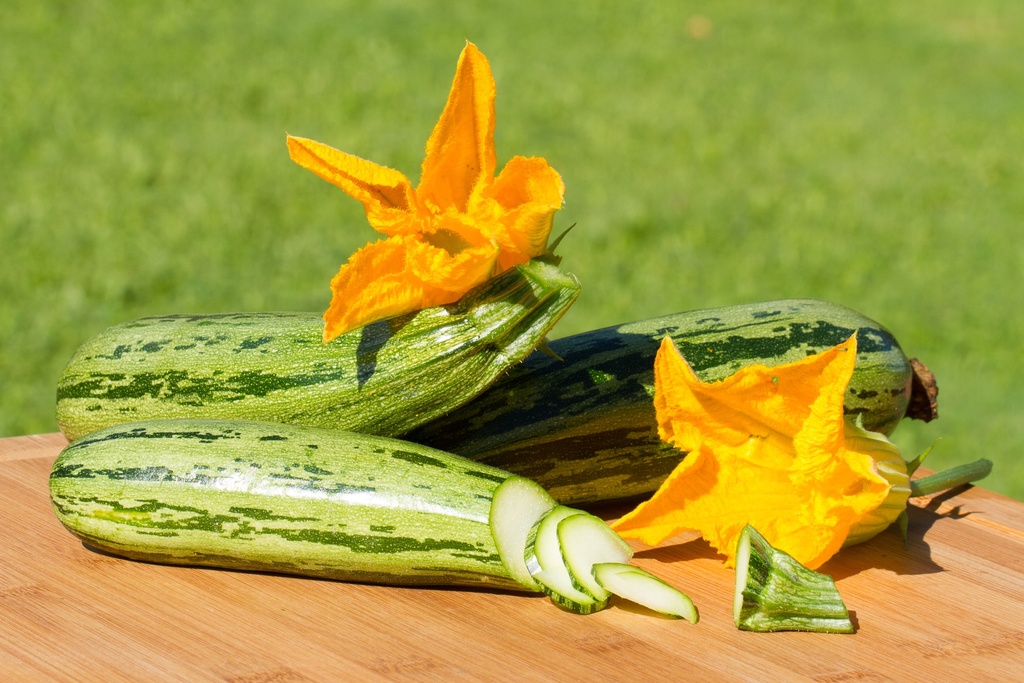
(385, 378)
(324, 503)
(583, 425)
(284, 498)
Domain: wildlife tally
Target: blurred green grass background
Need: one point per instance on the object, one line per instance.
(714, 153)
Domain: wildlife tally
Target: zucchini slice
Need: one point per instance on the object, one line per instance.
(586, 540)
(547, 566)
(517, 506)
(640, 586)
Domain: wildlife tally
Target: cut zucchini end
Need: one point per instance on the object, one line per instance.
(586, 540)
(774, 592)
(517, 506)
(742, 567)
(643, 588)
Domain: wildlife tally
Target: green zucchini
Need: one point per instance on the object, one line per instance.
(325, 503)
(283, 498)
(583, 425)
(385, 378)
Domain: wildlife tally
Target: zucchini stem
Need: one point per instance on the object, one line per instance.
(951, 478)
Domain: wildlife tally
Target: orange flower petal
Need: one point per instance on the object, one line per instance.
(386, 194)
(528, 192)
(460, 152)
(453, 232)
(371, 286)
(755, 400)
(768, 447)
(401, 275)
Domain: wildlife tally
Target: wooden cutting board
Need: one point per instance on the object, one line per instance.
(949, 607)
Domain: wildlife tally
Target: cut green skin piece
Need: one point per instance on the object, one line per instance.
(543, 556)
(586, 540)
(774, 592)
(516, 508)
(643, 588)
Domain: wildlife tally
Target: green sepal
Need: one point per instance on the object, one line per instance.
(912, 465)
(547, 350)
(549, 255)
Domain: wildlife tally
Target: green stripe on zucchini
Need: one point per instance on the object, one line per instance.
(584, 427)
(385, 378)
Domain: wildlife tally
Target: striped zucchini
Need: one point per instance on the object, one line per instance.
(385, 378)
(281, 498)
(584, 427)
(325, 503)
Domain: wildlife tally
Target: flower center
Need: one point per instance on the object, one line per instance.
(446, 239)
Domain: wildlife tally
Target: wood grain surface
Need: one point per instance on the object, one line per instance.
(948, 608)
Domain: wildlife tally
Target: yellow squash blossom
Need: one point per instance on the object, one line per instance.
(459, 227)
(769, 447)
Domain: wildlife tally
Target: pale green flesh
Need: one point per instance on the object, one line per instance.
(742, 567)
(586, 540)
(518, 506)
(271, 497)
(544, 560)
(638, 585)
(385, 378)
